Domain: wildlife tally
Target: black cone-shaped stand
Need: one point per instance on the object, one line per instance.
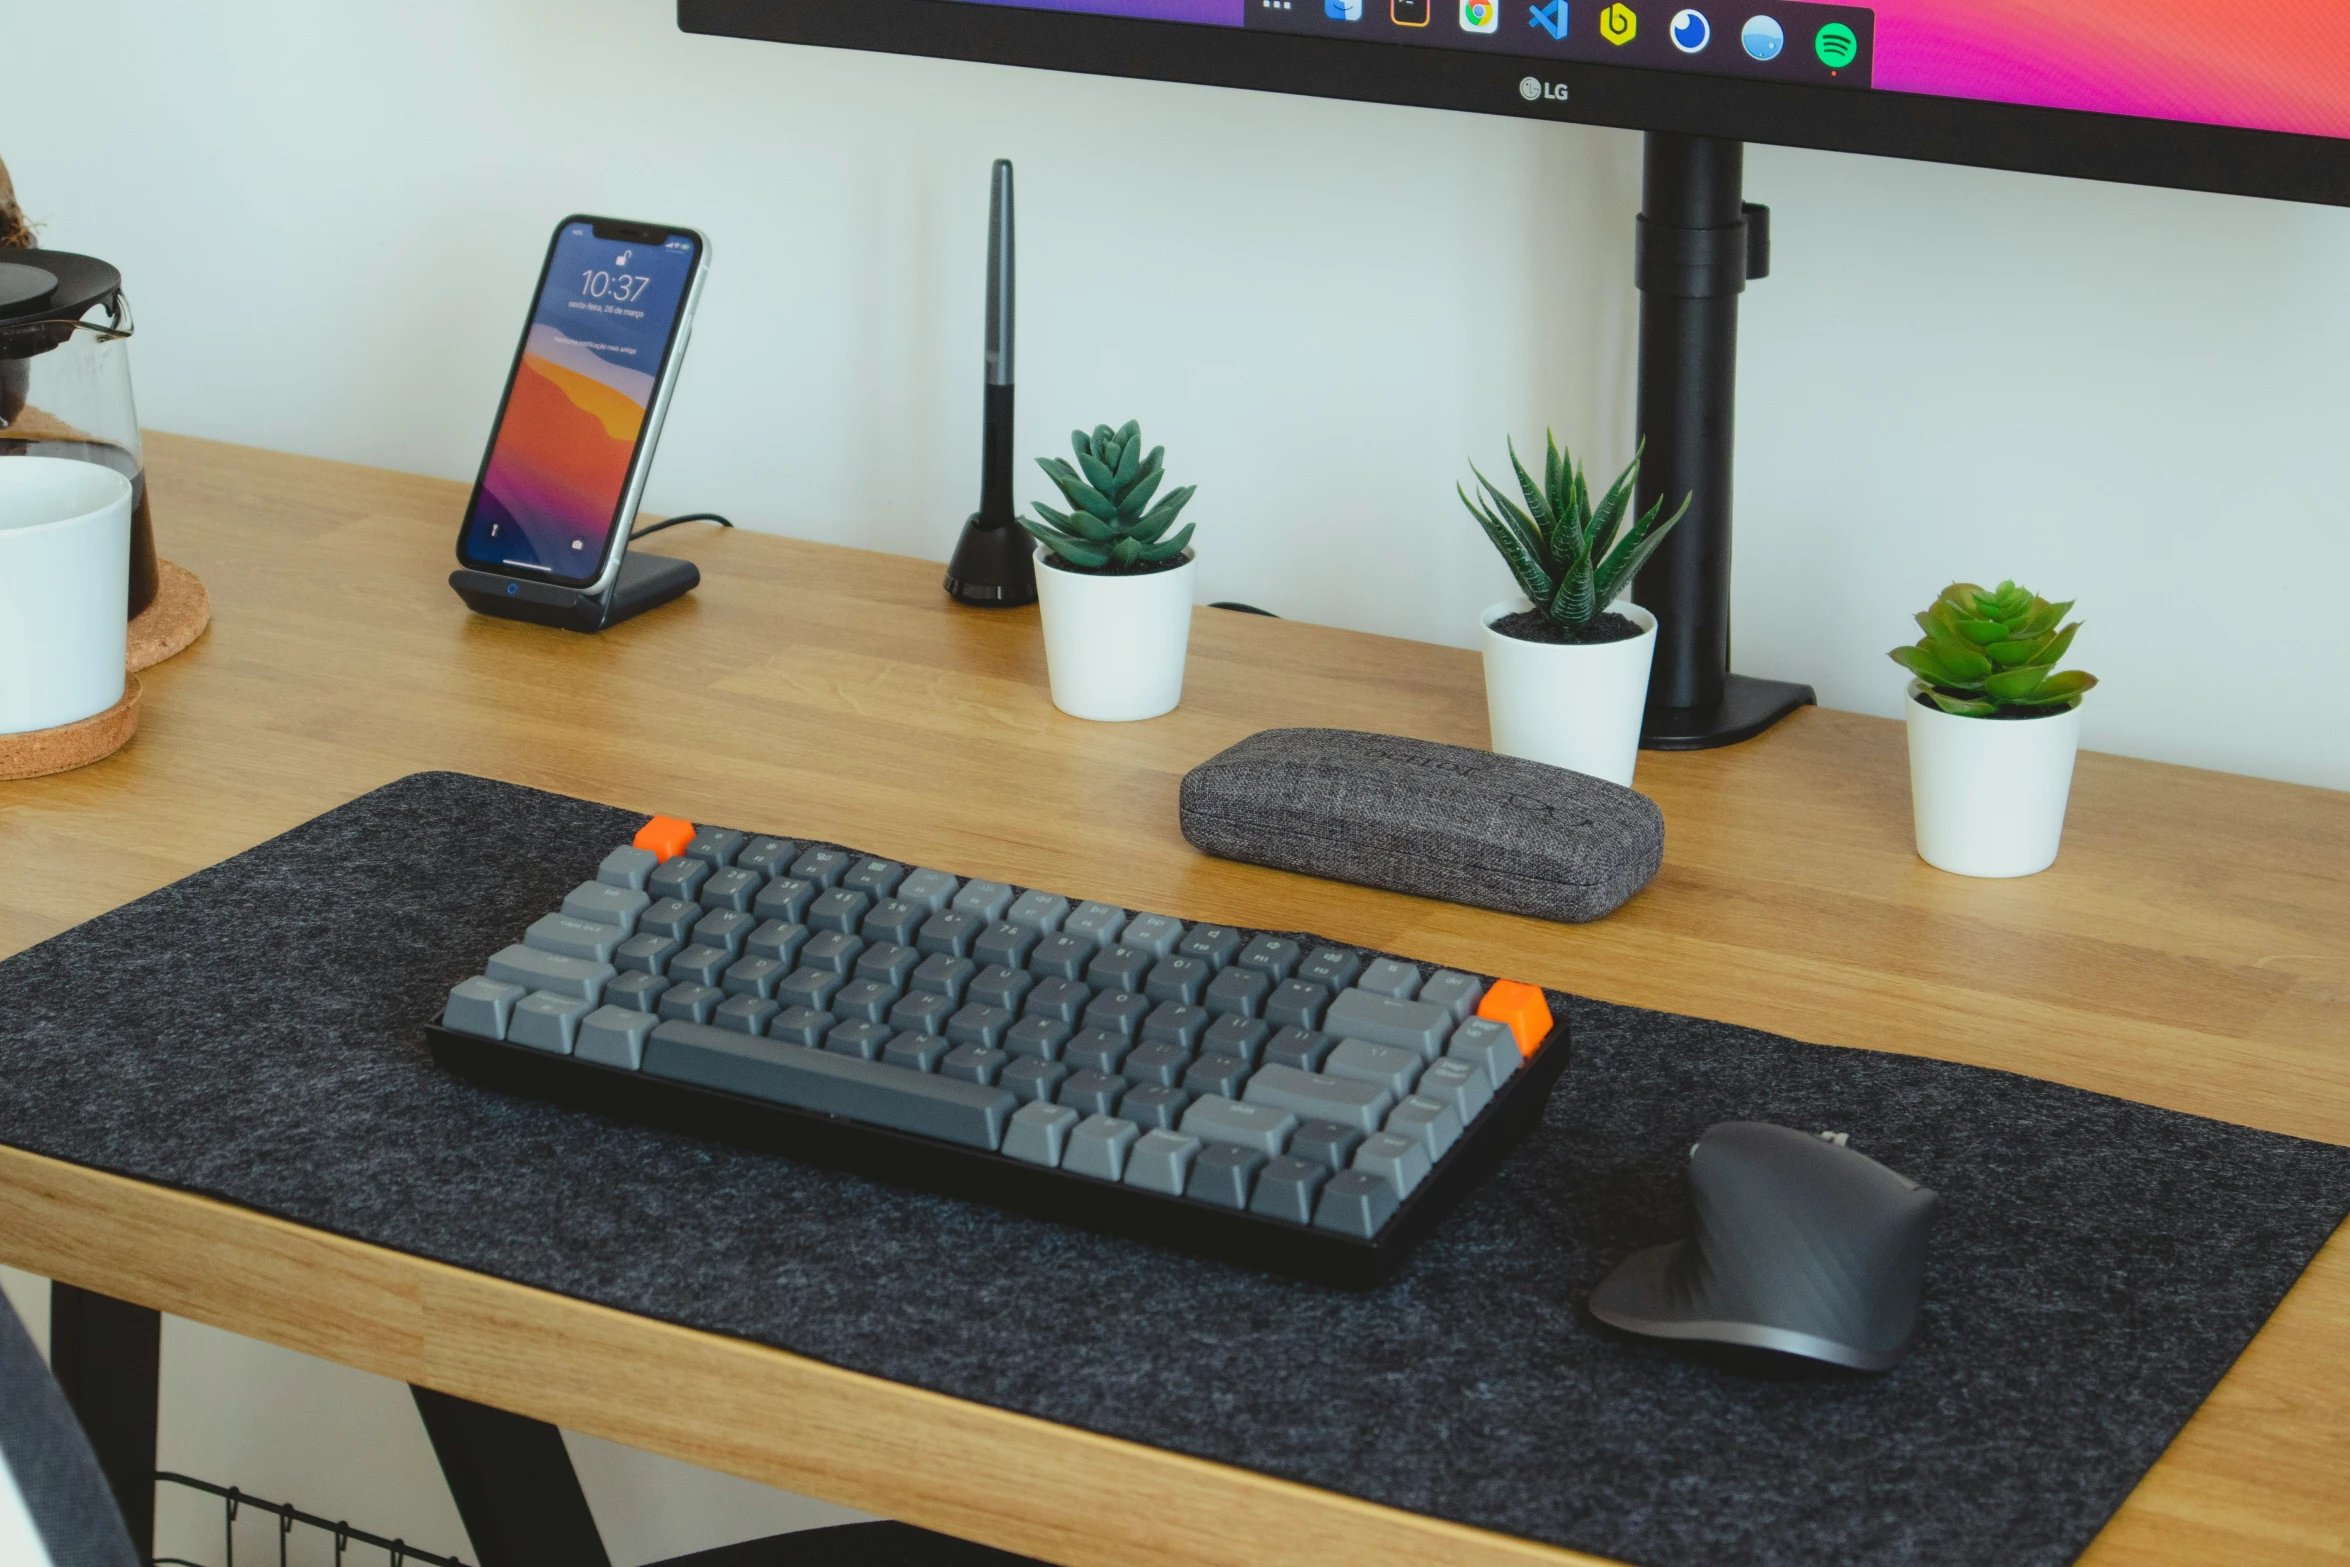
(994, 566)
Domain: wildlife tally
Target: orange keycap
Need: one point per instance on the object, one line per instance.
(1522, 1008)
(665, 836)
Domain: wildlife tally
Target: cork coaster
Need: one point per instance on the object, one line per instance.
(177, 617)
(40, 751)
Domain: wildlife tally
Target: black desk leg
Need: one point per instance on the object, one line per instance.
(105, 1354)
(513, 1485)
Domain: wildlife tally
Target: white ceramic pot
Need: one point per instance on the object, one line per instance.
(1572, 706)
(1989, 793)
(65, 571)
(1114, 645)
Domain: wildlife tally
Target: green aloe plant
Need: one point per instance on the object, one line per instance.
(1558, 544)
(1988, 654)
(1106, 528)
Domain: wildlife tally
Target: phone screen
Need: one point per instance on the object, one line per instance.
(600, 335)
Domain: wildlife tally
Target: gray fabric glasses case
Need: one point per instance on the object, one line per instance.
(1437, 821)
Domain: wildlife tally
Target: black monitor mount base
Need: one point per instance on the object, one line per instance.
(645, 582)
(1699, 243)
(994, 565)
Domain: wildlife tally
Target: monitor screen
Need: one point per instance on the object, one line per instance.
(2172, 92)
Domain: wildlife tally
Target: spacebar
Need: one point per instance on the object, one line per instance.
(871, 1091)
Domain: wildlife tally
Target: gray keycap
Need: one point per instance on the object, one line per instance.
(931, 889)
(1325, 1143)
(999, 986)
(1460, 1084)
(1355, 1202)
(824, 867)
(984, 901)
(732, 888)
(834, 951)
(1096, 1049)
(701, 963)
(1062, 1000)
(679, 878)
(1004, 943)
(922, 1012)
(1150, 1106)
(856, 1037)
(1030, 1078)
(915, 1052)
(607, 904)
(1454, 991)
(1417, 1025)
(628, 866)
(1276, 957)
(1298, 1047)
(639, 991)
(1398, 1160)
(976, 1023)
(778, 940)
(948, 976)
(1487, 1044)
(671, 917)
(1118, 968)
(744, 1014)
(645, 954)
(1296, 1003)
(1177, 979)
(786, 898)
(1041, 912)
(1286, 1189)
(536, 970)
(1173, 1023)
(880, 878)
(866, 1000)
(1234, 1036)
(1155, 934)
(768, 856)
(1038, 1132)
(802, 1026)
(888, 963)
(1237, 992)
(544, 1020)
(560, 933)
(614, 1036)
(724, 928)
(1431, 1123)
(754, 977)
(1040, 1037)
(949, 934)
(1091, 1093)
(1223, 1174)
(870, 1091)
(1120, 1011)
(1215, 1075)
(1160, 1064)
(1061, 956)
(1392, 1067)
(715, 846)
(1098, 923)
(1098, 1146)
(1212, 1118)
(807, 987)
(1318, 1097)
(1161, 1162)
(973, 1063)
(1330, 966)
(895, 921)
(1214, 945)
(839, 909)
(482, 1007)
(687, 1002)
(1388, 977)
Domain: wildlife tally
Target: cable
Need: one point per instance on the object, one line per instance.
(671, 522)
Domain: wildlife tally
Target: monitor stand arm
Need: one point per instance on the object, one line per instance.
(1699, 242)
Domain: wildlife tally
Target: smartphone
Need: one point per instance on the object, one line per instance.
(575, 432)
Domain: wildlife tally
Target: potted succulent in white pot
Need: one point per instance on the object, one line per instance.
(1566, 667)
(1113, 586)
(1993, 729)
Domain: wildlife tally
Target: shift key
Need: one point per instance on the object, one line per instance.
(1310, 1096)
(584, 978)
(1383, 1020)
(871, 1091)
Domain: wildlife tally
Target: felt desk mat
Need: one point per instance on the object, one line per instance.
(254, 1033)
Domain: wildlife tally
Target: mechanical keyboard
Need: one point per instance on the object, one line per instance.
(1275, 1099)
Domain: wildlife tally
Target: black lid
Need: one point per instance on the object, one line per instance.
(52, 285)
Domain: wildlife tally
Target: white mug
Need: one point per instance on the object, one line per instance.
(65, 569)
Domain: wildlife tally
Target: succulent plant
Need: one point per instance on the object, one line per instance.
(1988, 654)
(1106, 528)
(1558, 544)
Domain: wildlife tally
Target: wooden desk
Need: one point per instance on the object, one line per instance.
(2191, 949)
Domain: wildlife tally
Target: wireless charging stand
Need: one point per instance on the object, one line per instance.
(644, 582)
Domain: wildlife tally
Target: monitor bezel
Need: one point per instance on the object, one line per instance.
(2022, 138)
